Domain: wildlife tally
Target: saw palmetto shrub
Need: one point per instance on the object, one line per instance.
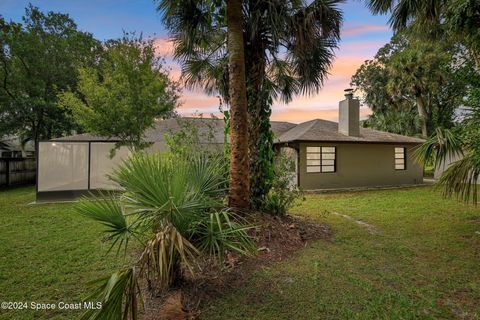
(172, 207)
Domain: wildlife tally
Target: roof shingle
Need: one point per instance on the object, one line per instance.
(210, 130)
(323, 130)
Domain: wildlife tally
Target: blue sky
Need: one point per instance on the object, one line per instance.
(362, 35)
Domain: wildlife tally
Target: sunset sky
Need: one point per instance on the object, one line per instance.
(362, 35)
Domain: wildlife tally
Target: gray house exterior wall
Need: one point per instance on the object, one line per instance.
(360, 165)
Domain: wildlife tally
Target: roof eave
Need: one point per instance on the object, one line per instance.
(349, 142)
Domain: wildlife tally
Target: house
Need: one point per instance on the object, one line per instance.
(328, 155)
(334, 155)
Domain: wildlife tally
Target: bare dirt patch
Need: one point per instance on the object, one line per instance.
(277, 239)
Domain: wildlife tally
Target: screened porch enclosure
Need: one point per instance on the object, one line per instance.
(68, 169)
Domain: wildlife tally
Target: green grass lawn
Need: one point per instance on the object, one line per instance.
(48, 254)
(424, 263)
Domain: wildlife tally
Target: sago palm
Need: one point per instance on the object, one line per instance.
(172, 208)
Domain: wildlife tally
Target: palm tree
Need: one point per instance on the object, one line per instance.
(171, 208)
(461, 17)
(239, 196)
(288, 50)
(195, 27)
(403, 12)
(417, 71)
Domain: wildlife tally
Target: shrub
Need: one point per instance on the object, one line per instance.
(279, 201)
(198, 137)
(173, 207)
(284, 192)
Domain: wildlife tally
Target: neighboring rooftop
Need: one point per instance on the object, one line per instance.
(210, 130)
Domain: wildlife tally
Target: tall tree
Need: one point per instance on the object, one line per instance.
(460, 142)
(239, 196)
(412, 85)
(460, 19)
(288, 50)
(451, 20)
(39, 59)
(418, 71)
(307, 34)
(123, 93)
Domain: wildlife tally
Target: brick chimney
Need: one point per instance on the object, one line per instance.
(349, 115)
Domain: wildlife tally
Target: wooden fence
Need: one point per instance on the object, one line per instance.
(17, 171)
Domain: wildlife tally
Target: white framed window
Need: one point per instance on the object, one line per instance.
(321, 159)
(400, 158)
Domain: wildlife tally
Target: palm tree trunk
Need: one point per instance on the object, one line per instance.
(239, 165)
(422, 112)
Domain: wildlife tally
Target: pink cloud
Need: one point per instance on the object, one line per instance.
(296, 115)
(163, 47)
(362, 29)
(323, 104)
(366, 49)
(174, 71)
(345, 66)
(198, 101)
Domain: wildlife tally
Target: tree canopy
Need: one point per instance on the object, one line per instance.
(123, 93)
(443, 22)
(413, 85)
(39, 59)
(459, 20)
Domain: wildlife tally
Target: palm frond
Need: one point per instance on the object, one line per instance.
(439, 148)
(404, 12)
(163, 254)
(158, 185)
(218, 233)
(206, 174)
(380, 6)
(108, 211)
(119, 295)
(282, 79)
(461, 179)
(314, 32)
